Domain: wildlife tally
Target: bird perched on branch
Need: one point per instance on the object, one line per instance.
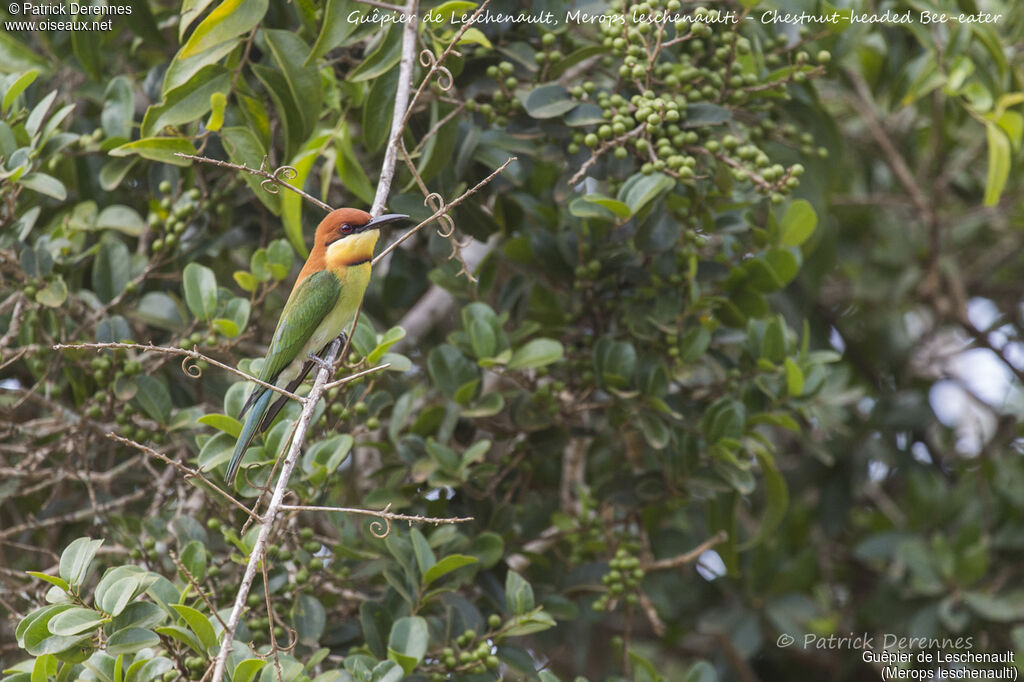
(322, 304)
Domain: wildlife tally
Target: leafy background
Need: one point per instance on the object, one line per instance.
(730, 351)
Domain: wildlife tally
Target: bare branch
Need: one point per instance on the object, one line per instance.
(353, 377)
(193, 371)
(687, 557)
(443, 210)
(275, 179)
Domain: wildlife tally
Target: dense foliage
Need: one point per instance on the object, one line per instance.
(719, 301)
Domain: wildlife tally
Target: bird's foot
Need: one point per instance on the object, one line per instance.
(320, 362)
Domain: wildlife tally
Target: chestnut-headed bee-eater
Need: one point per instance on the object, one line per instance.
(322, 304)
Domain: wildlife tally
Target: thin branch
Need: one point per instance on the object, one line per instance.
(353, 377)
(187, 471)
(383, 514)
(275, 179)
(193, 371)
(596, 154)
(687, 557)
(443, 210)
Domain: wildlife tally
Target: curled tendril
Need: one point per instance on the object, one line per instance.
(435, 203)
(272, 184)
(193, 370)
(444, 76)
(381, 527)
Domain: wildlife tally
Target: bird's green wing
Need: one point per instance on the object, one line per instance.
(306, 308)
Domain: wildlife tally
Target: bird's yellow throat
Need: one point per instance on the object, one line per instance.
(352, 250)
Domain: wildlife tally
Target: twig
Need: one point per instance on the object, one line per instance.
(596, 154)
(353, 377)
(384, 514)
(277, 178)
(687, 557)
(15, 324)
(443, 210)
(75, 517)
(189, 354)
(187, 471)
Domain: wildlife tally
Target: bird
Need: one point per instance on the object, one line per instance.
(322, 303)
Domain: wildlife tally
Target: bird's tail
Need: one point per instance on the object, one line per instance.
(252, 424)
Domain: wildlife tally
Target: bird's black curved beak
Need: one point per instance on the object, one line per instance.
(384, 219)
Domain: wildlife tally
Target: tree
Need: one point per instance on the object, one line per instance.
(673, 302)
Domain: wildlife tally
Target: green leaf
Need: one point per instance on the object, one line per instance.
(153, 398)
(446, 566)
(118, 108)
(124, 219)
(640, 190)
(244, 147)
(292, 203)
(55, 293)
(38, 114)
(617, 207)
(193, 557)
(425, 558)
(376, 127)
(200, 286)
(549, 101)
(700, 114)
(75, 621)
(17, 87)
(309, 619)
(586, 114)
(246, 670)
(348, 166)
(75, 560)
(131, 640)
(52, 579)
(162, 149)
(116, 588)
(381, 60)
(44, 184)
(199, 624)
(188, 102)
(335, 29)
(798, 224)
(536, 353)
(45, 667)
(303, 82)
(450, 369)
(529, 623)
(1004, 607)
(226, 22)
(246, 281)
(407, 643)
(776, 494)
(111, 270)
(998, 163)
(518, 594)
(15, 57)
